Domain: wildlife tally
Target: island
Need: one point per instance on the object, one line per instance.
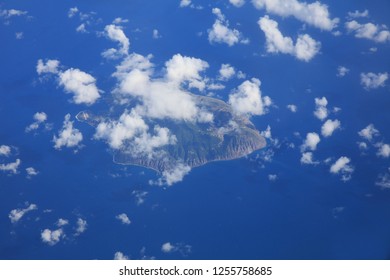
(229, 136)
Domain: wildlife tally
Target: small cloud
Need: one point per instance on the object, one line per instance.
(383, 150)
(115, 33)
(49, 66)
(321, 112)
(370, 31)
(315, 14)
(272, 177)
(52, 237)
(185, 3)
(168, 247)
(5, 150)
(237, 3)
(293, 108)
(120, 256)
(120, 20)
(19, 35)
(81, 226)
(307, 158)
(247, 99)
(11, 167)
(7, 14)
(342, 71)
(67, 137)
(337, 211)
(383, 180)
(39, 118)
(62, 222)
(311, 142)
(362, 146)
(72, 12)
(31, 172)
(156, 34)
(369, 132)
(358, 14)
(139, 196)
(372, 80)
(81, 28)
(226, 72)
(329, 127)
(342, 166)
(304, 49)
(81, 84)
(16, 214)
(170, 177)
(221, 33)
(123, 218)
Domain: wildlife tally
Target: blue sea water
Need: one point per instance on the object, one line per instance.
(223, 210)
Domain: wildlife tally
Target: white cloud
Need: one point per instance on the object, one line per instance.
(62, 222)
(315, 14)
(307, 158)
(237, 3)
(16, 214)
(293, 108)
(81, 226)
(39, 117)
(329, 127)
(81, 84)
(383, 181)
(139, 196)
(267, 133)
(182, 69)
(368, 132)
(116, 34)
(120, 20)
(321, 112)
(168, 247)
(241, 75)
(383, 150)
(31, 172)
(342, 71)
(11, 167)
(123, 218)
(163, 97)
(311, 142)
(362, 145)
(304, 49)
(72, 12)
(120, 256)
(185, 3)
(52, 237)
(170, 177)
(342, 166)
(358, 14)
(221, 33)
(226, 72)
(156, 34)
(247, 99)
(49, 66)
(272, 177)
(11, 13)
(370, 31)
(68, 137)
(5, 150)
(81, 28)
(19, 35)
(373, 81)
(131, 127)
